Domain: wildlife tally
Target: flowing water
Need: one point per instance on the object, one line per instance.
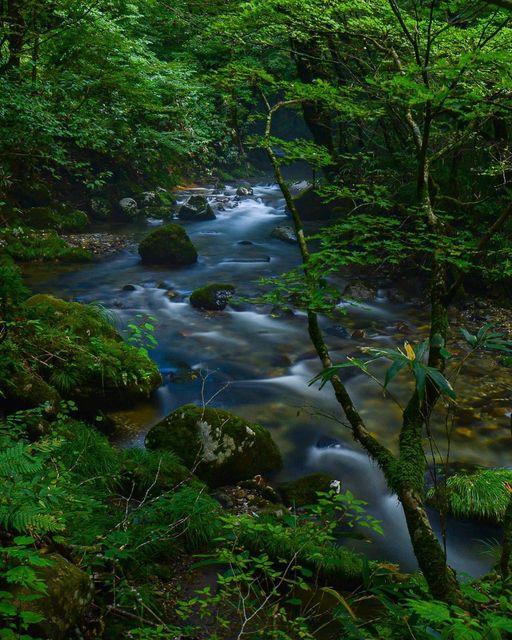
(258, 363)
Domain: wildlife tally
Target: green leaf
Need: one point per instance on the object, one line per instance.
(394, 370)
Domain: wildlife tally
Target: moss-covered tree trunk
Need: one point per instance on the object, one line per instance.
(404, 473)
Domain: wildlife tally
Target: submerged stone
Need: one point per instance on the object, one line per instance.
(213, 297)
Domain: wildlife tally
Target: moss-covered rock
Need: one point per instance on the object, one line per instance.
(196, 208)
(50, 218)
(169, 245)
(86, 359)
(69, 592)
(301, 492)
(219, 446)
(213, 297)
(25, 389)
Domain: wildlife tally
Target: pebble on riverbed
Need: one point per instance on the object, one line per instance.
(99, 244)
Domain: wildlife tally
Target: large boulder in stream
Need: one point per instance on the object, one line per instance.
(196, 208)
(220, 447)
(213, 297)
(168, 245)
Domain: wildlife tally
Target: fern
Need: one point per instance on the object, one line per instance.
(481, 494)
(16, 460)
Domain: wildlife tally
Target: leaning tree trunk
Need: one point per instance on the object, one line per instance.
(405, 473)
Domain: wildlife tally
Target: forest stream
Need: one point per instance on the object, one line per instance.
(258, 362)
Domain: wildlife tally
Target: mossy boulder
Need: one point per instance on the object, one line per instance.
(50, 218)
(301, 492)
(196, 208)
(213, 297)
(220, 447)
(86, 359)
(69, 592)
(168, 245)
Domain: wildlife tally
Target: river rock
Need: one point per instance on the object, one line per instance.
(69, 592)
(220, 447)
(244, 191)
(284, 232)
(169, 245)
(129, 208)
(213, 297)
(360, 291)
(196, 208)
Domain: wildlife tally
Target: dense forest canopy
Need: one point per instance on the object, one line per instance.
(125, 125)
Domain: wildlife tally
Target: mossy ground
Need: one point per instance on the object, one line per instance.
(71, 349)
(26, 245)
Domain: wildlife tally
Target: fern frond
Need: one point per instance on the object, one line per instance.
(481, 494)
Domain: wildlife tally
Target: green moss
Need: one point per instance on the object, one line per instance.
(69, 592)
(301, 492)
(73, 348)
(26, 245)
(219, 446)
(331, 563)
(20, 386)
(168, 245)
(50, 218)
(480, 495)
(145, 472)
(213, 297)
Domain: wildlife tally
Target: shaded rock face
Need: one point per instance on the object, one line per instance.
(220, 447)
(284, 232)
(360, 292)
(129, 208)
(301, 492)
(196, 208)
(168, 245)
(311, 207)
(100, 208)
(213, 297)
(69, 593)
